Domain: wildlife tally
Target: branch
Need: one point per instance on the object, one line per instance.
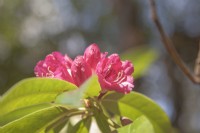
(170, 47)
(197, 64)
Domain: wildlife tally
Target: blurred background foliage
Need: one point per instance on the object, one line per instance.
(29, 30)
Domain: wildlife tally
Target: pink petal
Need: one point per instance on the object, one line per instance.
(92, 55)
(81, 70)
(128, 67)
(54, 66)
(115, 75)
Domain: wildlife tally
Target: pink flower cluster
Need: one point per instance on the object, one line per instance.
(113, 74)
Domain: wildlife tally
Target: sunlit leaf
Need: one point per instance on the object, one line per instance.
(33, 91)
(69, 127)
(134, 105)
(60, 126)
(90, 88)
(141, 58)
(102, 121)
(140, 125)
(33, 122)
(83, 126)
(17, 114)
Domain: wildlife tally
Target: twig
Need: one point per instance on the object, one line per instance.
(170, 47)
(197, 64)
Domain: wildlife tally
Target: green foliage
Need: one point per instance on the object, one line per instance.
(135, 105)
(39, 105)
(90, 88)
(83, 126)
(33, 91)
(141, 58)
(140, 125)
(69, 127)
(18, 113)
(33, 122)
(102, 121)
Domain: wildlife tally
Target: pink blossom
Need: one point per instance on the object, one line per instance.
(92, 55)
(55, 65)
(114, 74)
(81, 70)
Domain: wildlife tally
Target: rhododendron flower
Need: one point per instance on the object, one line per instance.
(55, 65)
(113, 74)
(92, 55)
(81, 70)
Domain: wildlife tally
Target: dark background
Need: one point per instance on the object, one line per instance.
(31, 29)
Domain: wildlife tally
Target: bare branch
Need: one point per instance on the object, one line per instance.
(170, 47)
(197, 65)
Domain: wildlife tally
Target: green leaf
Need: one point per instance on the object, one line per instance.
(16, 114)
(83, 126)
(141, 58)
(60, 126)
(33, 91)
(101, 120)
(140, 125)
(60, 122)
(34, 122)
(69, 127)
(89, 88)
(134, 105)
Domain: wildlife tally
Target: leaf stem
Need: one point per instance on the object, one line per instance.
(101, 94)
